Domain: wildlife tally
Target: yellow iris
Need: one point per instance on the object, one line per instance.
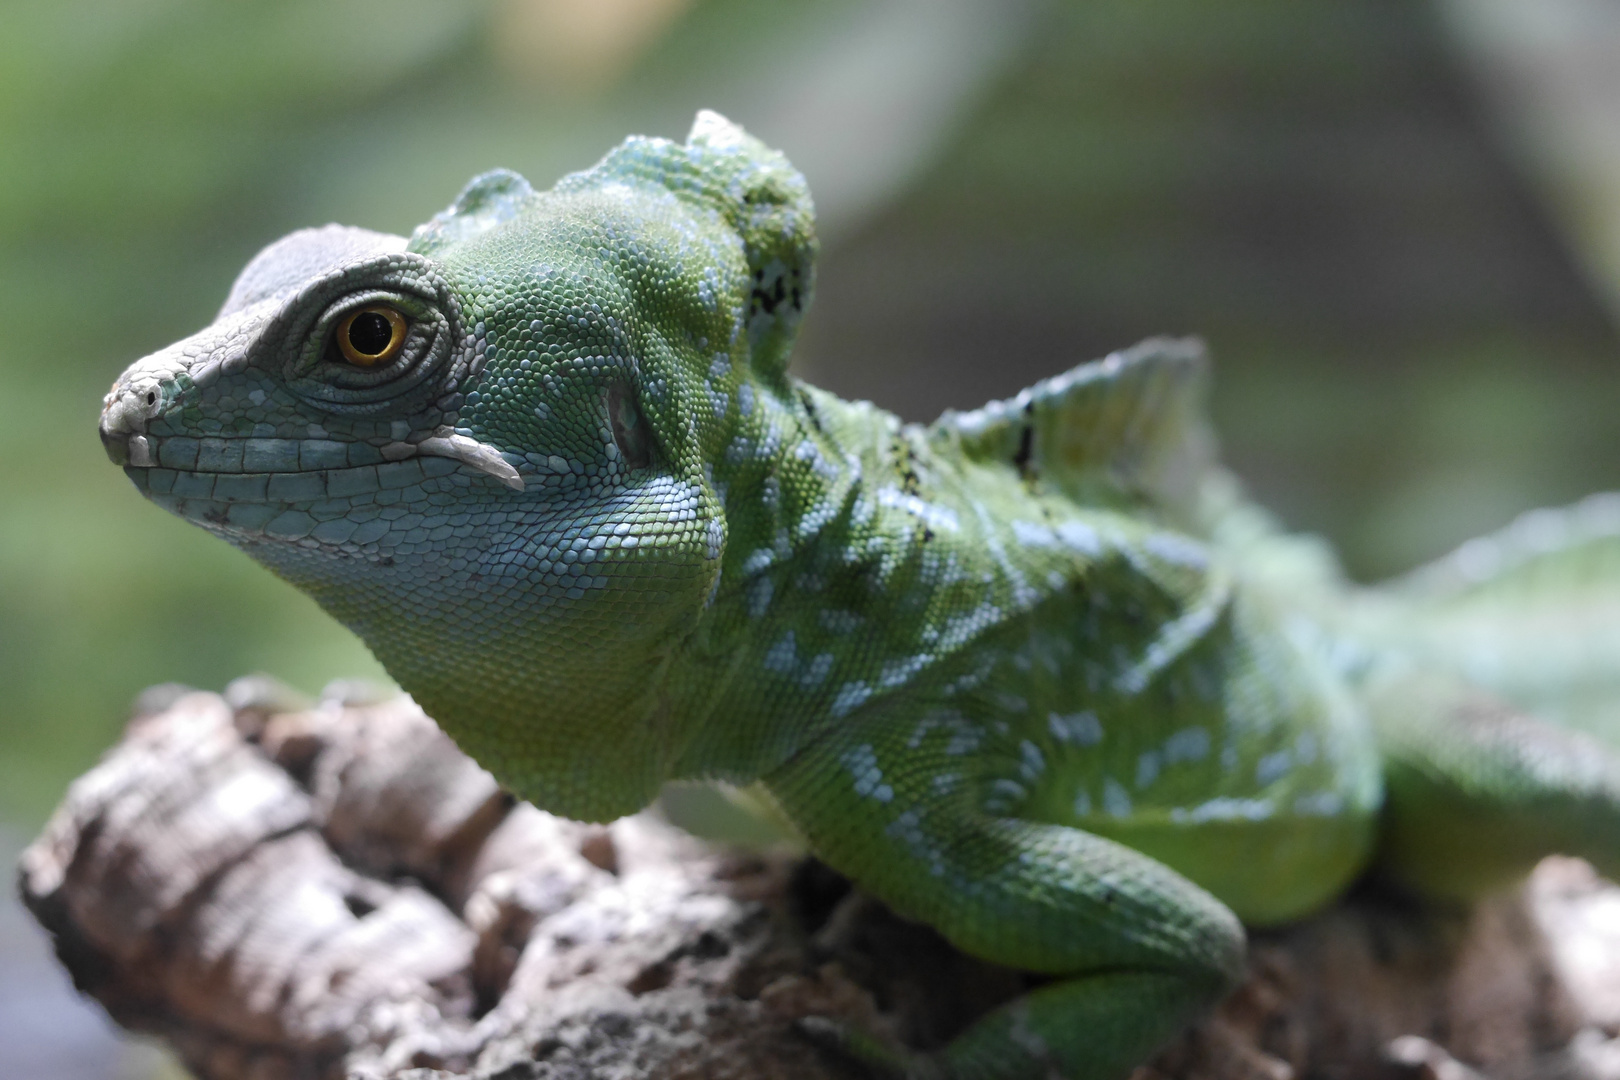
(371, 336)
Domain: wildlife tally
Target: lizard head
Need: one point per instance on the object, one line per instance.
(486, 448)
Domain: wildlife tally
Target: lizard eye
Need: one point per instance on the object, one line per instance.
(372, 335)
(382, 337)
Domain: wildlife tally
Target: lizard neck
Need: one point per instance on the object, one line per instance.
(803, 582)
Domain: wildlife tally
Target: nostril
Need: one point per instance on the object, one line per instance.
(127, 411)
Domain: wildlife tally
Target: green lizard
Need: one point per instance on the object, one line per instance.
(1033, 674)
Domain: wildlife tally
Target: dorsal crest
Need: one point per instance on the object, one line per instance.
(1125, 428)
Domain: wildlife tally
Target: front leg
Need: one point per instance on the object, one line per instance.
(1139, 951)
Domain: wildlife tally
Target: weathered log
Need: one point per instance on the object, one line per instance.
(290, 890)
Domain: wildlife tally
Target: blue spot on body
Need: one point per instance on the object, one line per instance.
(1079, 729)
(783, 657)
(1116, 800)
(1147, 768)
(851, 696)
(1188, 744)
(1273, 767)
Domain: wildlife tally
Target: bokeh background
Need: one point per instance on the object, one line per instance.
(1397, 223)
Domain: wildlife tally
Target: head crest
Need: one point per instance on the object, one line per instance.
(487, 200)
(758, 193)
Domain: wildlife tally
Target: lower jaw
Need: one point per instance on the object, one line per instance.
(245, 522)
(340, 508)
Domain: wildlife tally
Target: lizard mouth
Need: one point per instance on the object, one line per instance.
(133, 450)
(245, 469)
(295, 490)
(286, 487)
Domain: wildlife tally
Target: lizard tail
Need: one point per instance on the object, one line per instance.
(1530, 614)
(1486, 717)
(1477, 792)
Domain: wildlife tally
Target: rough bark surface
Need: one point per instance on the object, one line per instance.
(289, 890)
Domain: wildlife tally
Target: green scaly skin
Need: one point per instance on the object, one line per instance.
(1031, 674)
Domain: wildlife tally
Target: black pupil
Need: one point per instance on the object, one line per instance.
(370, 333)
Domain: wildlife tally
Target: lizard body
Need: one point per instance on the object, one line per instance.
(1031, 674)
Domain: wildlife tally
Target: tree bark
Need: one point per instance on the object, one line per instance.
(287, 890)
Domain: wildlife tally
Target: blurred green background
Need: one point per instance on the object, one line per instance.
(1397, 224)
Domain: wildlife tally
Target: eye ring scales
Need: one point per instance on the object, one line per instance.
(371, 336)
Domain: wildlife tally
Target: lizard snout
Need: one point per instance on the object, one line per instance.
(124, 416)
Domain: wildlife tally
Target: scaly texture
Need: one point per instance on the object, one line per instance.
(1032, 674)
